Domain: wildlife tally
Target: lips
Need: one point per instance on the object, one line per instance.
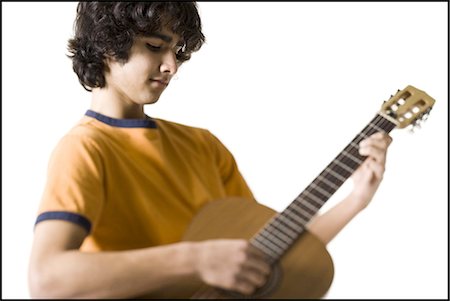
(161, 81)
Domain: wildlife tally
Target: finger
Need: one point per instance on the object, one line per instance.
(257, 264)
(381, 135)
(376, 168)
(378, 143)
(252, 251)
(254, 277)
(376, 146)
(257, 254)
(379, 139)
(243, 286)
(378, 154)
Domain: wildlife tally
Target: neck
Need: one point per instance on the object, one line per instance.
(115, 106)
(283, 230)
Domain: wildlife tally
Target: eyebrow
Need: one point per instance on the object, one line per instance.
(165, 38)
(161, 36)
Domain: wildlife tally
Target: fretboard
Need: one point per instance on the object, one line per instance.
(275, 238)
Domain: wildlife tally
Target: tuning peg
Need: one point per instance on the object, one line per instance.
(414, 126)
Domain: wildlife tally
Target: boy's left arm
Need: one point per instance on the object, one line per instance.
(367, 179)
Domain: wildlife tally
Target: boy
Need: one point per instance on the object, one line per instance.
(122, 187)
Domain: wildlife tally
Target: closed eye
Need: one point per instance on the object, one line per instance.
(153, 47)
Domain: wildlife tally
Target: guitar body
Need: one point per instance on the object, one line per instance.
(306, 268)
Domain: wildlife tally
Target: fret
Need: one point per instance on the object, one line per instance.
(269, 252)
(283, 229)
(336, 175)
(351, 162)
(302, 211)
(312, 197)
(321, 190)
(307, 196)
(353, 150)
(293, 233)
(292, 218)
(317, 196)
(363, 135)
(331, 177)
(282, 220)
(377, 129)
(289, 233)
(324, 180)
(281, 246)
(309, 205)
(343, 166)
(274, 230)
(296, 216)
(351, 165)
(353, 158)
(354, 145)
(270, 244)
(369, 130)
(324, 184)
(272, 237)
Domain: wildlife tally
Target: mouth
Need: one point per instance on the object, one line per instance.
(162, 82)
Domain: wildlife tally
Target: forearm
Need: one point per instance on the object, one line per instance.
(366, 178)
(327, 225)
(121, 274)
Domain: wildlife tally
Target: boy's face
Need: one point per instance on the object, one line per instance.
(151, 65)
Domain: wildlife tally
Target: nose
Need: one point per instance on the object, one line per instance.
(169, 63)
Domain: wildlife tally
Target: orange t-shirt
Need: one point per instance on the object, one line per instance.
(134, 183)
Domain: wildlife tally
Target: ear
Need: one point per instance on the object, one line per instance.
(109, 59)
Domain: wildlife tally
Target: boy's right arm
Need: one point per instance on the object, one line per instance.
(58, 269)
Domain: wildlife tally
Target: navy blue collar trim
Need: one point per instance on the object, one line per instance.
(124, 123)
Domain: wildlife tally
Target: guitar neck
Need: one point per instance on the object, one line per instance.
(282, 231)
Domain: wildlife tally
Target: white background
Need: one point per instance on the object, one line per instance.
(285, 86)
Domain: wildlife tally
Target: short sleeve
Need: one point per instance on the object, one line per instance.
(233, 181)
(74, 190)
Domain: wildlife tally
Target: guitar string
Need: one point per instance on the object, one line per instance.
(344, 159)
(348, 159)
(376, 120)
(364, 134)
(353, 162)
(274, 226)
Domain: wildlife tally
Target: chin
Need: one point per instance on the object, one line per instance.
(151, 101)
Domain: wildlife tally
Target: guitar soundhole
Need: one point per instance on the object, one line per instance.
(264, 291)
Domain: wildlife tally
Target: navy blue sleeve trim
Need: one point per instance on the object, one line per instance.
(66, 216)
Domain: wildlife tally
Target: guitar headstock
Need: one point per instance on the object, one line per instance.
(409, 106)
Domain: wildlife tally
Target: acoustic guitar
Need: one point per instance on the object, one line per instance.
(302, 267)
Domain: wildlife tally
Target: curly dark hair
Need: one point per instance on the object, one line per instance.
(109, 29)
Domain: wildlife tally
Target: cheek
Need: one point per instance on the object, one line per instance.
(140, 71)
